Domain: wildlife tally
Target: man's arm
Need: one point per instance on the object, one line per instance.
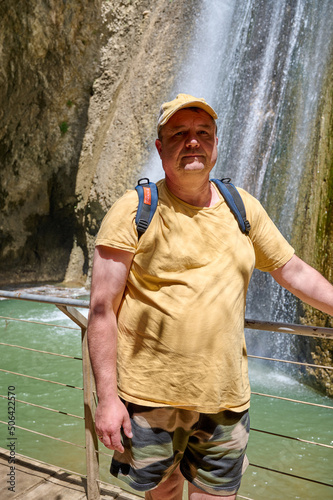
(306, 283)
(109, 277)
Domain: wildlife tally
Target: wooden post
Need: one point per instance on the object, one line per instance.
(92, 459)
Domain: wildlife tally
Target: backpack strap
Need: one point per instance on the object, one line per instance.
(148, 198)
(234, 201)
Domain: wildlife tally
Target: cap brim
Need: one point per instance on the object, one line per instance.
(188, 104)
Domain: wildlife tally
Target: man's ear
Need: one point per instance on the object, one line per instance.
(158, 145)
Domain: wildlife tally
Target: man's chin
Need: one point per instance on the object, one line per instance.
(194, 167)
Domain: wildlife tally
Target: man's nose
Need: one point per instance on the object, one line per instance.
(192, 142)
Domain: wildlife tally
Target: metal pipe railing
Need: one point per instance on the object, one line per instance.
(48, 299)
(253, 324)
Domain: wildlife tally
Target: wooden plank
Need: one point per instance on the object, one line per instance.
(74, 315)
(34, 481)
(92, 462)
(37, 481)
(89, 388)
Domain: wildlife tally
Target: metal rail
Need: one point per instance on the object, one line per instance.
(45, 408)
(252, 324)
(46, 299)
(68, 307)
(8, 318)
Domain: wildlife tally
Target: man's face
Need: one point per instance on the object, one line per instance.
(188, 144)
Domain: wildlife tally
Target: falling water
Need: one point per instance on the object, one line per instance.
(261, 64)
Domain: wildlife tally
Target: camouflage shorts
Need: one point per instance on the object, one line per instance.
(210, 448)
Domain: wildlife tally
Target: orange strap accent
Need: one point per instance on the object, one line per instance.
(146, 196)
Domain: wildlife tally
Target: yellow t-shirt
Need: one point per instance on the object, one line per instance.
(181, 321)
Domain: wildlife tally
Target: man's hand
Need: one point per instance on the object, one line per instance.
(109, 419)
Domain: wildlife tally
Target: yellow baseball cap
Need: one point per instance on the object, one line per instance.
(182, 101)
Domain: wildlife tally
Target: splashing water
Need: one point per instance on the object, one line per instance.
(261, 63)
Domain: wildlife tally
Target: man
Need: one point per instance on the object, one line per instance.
(166, 323)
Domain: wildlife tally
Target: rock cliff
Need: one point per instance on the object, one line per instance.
(313, 235)
(81, 84)
(48, 60)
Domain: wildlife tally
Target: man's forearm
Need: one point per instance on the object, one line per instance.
(102, 341)
(306, 283)
(109, 278)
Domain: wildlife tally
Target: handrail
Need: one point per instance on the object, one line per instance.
(292, 328)
(48, 299)
(67, 306)
(252, 324)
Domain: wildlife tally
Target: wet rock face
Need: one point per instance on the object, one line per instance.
(143, 44)
(61, 167)
(48, 59)
(314, 235)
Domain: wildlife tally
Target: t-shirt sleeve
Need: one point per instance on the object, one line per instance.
(118, 229)
(271, 249)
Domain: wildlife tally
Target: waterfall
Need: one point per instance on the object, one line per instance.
(260, 63)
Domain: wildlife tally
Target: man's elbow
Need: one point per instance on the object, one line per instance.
(291, 274)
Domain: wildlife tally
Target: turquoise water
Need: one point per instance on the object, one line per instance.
(294, 458)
